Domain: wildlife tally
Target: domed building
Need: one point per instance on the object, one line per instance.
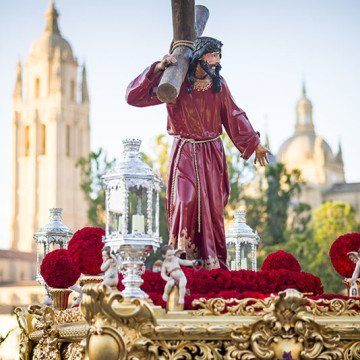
(322, 170)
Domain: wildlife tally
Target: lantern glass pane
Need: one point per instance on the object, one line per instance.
(115, 210)
(231, 255)
(137, 202)
(246, 256)
(153, 203)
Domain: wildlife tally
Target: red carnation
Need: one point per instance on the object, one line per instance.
(58, 270)
(85, 250)
(281, 260)
(339, 253)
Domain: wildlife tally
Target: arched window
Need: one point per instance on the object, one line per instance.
(72, 90)
(37, 88)
(42, 139)
(68, 141)
(27, 141)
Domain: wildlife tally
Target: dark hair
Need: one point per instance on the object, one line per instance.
(107, 249)
(203, 45)
(165, 248)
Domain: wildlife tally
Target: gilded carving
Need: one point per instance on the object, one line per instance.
(48, 346)
(24, 320)
(114, 329)
(72, 351)
(69, 316)
(352, 351)
(287, 329)
(336, 307)
(220, 306)
(187, 350)
(108, 326)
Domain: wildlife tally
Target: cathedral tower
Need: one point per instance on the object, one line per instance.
(50, 132)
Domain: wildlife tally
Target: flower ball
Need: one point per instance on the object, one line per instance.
(57, 269)
(85, 250)
(281, 260)
(339, 253)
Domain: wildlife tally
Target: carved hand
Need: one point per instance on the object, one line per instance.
(261, 155)
(165, 62)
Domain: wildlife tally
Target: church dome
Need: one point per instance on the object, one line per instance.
(302, 147)
(51, 41)
(48, 43)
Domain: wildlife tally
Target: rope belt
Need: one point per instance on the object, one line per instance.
(183, 141)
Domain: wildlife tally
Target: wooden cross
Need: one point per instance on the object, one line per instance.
(188, 23)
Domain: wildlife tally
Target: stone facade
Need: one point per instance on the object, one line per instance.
(50, 132)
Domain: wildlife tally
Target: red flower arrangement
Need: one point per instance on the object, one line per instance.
(339, 253)
(57, 269)
(231, 284)
(85, 250)
(281, 260)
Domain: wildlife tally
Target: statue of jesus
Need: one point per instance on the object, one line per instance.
(198, 184)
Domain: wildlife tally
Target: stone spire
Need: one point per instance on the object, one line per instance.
(339, 157)
(84, 87)
(17, 94)
(51, 19)
(304, 122)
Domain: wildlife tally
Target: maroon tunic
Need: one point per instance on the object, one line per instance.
(198, 178)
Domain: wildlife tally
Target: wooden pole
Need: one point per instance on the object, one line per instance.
(184, 27)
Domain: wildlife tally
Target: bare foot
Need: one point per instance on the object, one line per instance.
(181, 301)
(165, 297)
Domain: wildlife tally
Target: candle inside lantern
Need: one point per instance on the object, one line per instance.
(244, 264)
(120, 224)
(138, 223)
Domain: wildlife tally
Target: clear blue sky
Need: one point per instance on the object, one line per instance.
(269, 47)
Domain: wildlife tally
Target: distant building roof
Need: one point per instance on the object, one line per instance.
(25, 283)
(343, 188)
(17, 255)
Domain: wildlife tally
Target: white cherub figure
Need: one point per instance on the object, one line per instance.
(355, 257)
(172, 273)
(111, 262)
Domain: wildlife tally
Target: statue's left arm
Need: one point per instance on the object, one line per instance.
(239, 128)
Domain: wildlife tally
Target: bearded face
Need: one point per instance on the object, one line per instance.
(210, 62)
(207, 55)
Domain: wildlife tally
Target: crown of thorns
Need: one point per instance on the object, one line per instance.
(206, 44)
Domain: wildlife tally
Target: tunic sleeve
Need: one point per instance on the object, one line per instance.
(237, 125)
(142, 91)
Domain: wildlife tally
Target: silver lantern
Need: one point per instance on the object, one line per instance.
(54, 235)
(132, 214)
(241, 243)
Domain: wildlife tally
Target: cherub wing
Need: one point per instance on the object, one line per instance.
(178, 252)
(354, 256)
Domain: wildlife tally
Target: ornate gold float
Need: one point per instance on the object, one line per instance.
(109, 326)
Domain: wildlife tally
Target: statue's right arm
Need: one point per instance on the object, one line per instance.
(142, 90)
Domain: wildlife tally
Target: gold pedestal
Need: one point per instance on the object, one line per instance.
(60, 298)
(173, 300)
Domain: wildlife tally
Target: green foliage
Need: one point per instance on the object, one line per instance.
(92, 169)
(331, 220)
(269, 211)
(2, 339)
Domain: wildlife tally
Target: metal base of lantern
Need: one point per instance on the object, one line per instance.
(60, 298)
(132, 268)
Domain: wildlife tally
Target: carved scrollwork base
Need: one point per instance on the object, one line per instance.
(116, 333)
(287, 330)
